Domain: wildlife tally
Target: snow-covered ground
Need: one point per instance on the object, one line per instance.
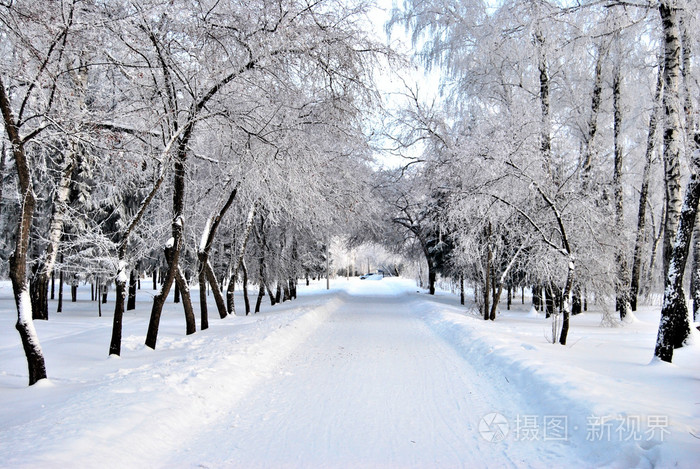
(372, 373)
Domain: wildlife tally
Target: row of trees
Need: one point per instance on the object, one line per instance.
(213, 140)
(556, 158)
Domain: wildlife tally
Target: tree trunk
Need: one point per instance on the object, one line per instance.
(74, 289)
(537, 297)
(172, 254)
(566, 301)
(589, 137)
(131, 303)
(690, 137)
(40, 281)
(549, 300)
(181, 283)
(206, 273)
(18, 259)
(39, 291)
(499, 285)
(461, 288)
(115, 343)
(246, 301)
(230, 306)
(261, 286)
(2, 173)
(674, 326)
(271, 295)
(59, 308)
(672, 126)
(261, 295)
(176, 295)
(576, 303)
(203, 311)
(622, 280)
(644, 192)
(487, 277)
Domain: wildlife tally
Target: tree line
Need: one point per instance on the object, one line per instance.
(211, 140)
(556, 156)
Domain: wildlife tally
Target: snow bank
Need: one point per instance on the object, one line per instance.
(96, 410)
(619, 413)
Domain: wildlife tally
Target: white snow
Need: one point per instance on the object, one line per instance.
(368, 374)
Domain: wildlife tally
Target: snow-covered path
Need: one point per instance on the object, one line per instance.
(374, 386)
(369, 374)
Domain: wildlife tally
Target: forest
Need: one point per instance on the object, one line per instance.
(222, 144)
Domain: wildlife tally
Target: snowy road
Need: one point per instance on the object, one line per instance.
(371, 374)
(373, 386)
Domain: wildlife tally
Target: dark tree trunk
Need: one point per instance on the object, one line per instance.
(589, 137)
(566, 295)
(286, 293)
(131, 303)
(461, 289)
(261, 281)
(261, 295)
(216, 291)
(203, 311)
(74, 289)
(622, 281)
(155, 279)
(39, 284)
(674, 326)
(510, 297)
(53, 284)
(239, 260)
(181, 283)
(576, 299)
(105, 291)
(292, 289)
(271, 295)
(644, 192)
(278, 294)
(176, 298)
(39, 290)
(206, 273)
(246, 301)
(59, 308)
(115, 343)
(549, 300)
(18, 259)
(487, 290)
(537, 297)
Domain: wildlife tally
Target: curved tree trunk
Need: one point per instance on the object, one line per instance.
(18, 259)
